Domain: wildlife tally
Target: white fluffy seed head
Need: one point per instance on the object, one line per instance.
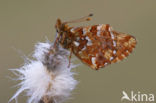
(41, 49)
(40, 79)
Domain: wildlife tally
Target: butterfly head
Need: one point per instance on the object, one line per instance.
(59, 26)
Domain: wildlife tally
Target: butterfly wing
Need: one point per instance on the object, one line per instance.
(125, 45)
(99, 45)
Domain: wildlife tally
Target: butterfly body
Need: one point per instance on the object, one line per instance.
(96, 45)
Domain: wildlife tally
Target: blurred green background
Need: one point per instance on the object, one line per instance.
(26, 22)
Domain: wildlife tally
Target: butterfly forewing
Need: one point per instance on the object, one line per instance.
(99, 45)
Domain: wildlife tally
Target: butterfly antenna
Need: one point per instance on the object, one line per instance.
(82, 19)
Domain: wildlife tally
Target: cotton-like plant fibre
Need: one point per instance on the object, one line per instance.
(46, 76)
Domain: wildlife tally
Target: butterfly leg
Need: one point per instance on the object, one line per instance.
(70, 57)
(56, 42)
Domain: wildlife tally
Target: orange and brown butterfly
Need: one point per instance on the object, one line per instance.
(96, 45)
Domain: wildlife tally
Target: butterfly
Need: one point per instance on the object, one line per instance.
(96, 45)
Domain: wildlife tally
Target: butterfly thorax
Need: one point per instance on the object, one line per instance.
(64, 34)
(66, 38)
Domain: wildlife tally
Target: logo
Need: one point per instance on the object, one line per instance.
(137, 96)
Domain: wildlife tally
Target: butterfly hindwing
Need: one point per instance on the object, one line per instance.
(99, 45)
(125, 45)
